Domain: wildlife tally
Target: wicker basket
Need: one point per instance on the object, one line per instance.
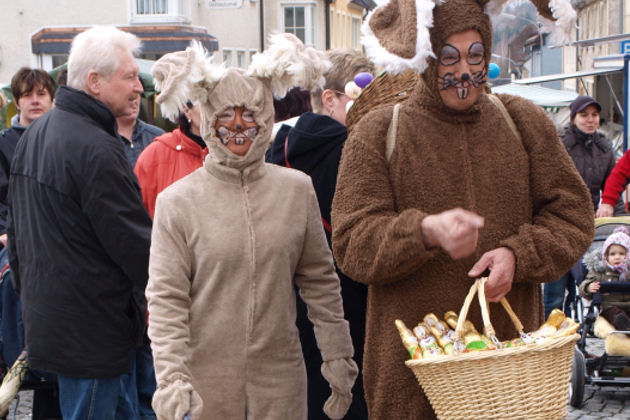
(527, 382)
(385, 89)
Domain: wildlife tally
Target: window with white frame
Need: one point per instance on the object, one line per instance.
(227, 57)
(159, 11)
(151, 7)
(298, 19)
(240, 59)
(356, 33)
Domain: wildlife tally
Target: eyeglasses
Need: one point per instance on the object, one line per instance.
(450, 55)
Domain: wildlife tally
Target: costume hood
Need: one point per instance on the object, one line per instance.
(190, 75)
(404, 35)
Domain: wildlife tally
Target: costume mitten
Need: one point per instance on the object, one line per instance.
(176, 399)
(340, 374)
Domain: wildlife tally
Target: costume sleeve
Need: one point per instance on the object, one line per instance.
(616, 181)
(372, 242)
(319, 288)
(111, 200)
(168, 294)
(562, 215)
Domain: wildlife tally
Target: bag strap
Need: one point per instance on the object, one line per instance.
(391, 133)
(506, 115)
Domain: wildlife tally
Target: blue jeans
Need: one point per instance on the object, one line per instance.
(553, 293)
(140, 383)
(94, 399)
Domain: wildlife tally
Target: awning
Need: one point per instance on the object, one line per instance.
(563, 76)
(542, 96)
(155, 39)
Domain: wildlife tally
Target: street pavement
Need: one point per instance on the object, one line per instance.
(610, 403)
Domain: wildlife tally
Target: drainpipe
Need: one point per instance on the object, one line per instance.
(327, 21)
(262, 26)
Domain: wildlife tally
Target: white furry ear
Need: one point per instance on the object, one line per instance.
(287, 63)
(391, 62)
(495, 7)
(565, 17)
(184, 76)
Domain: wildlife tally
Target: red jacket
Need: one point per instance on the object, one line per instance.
(616, 181)
(170, 157)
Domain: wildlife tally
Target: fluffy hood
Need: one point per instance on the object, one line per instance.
(190, 75)
(401, 34)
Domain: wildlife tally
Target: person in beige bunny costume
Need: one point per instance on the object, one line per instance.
(229, 242)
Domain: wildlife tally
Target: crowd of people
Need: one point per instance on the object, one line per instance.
(228, 270)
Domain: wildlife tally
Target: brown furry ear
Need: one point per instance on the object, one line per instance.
(395, 25)
(543, 9)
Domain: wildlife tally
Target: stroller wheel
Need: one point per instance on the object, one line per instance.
(578, 378)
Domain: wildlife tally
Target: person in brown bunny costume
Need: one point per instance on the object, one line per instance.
(461, 192)
(229, 242)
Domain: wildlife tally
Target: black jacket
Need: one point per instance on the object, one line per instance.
(78, 239)
(594, 160)
(314, 147)
(8, 140)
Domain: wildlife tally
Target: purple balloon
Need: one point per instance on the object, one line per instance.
(363, 79)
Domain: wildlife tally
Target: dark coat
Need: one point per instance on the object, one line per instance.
(314, 147)
(78, 241)
(8, 140)
(594, 160)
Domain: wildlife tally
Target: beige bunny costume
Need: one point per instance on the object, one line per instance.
(230, 241)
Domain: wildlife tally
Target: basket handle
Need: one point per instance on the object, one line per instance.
(478, 288)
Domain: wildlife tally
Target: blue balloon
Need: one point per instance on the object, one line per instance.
(363, 79)
(493, 71)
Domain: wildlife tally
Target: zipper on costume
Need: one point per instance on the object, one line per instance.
(252, 260)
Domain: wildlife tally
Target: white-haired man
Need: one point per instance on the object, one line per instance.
(79, 233)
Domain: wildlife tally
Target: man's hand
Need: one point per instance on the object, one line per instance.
(455, 230)
(605, 210)
(502, 264)
(3, 239)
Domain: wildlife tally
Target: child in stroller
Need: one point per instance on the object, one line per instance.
(609, 265)
(608, 289)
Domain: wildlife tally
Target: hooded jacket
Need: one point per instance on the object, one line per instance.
(222, 274)
(168, 158)
(314, 147)
(532, 199)
(593, 158)
(78, 241)
(598, 271)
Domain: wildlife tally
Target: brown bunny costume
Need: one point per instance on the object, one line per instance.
(528, 191)
(230, 242)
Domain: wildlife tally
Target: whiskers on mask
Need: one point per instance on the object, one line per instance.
(463, 83)
(239, 137)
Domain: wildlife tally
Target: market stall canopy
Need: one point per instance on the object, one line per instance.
(156, 39)
(545, 97)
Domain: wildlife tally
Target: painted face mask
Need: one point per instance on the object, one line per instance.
(449, 56)
(236, 125)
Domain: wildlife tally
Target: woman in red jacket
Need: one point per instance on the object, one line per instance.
(171, 156)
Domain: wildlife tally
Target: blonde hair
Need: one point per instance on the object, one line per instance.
(346, 63)
(98, 49)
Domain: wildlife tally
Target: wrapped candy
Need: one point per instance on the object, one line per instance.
(428, 343)
(410, 341)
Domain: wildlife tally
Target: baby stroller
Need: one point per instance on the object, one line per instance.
(612, 367)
